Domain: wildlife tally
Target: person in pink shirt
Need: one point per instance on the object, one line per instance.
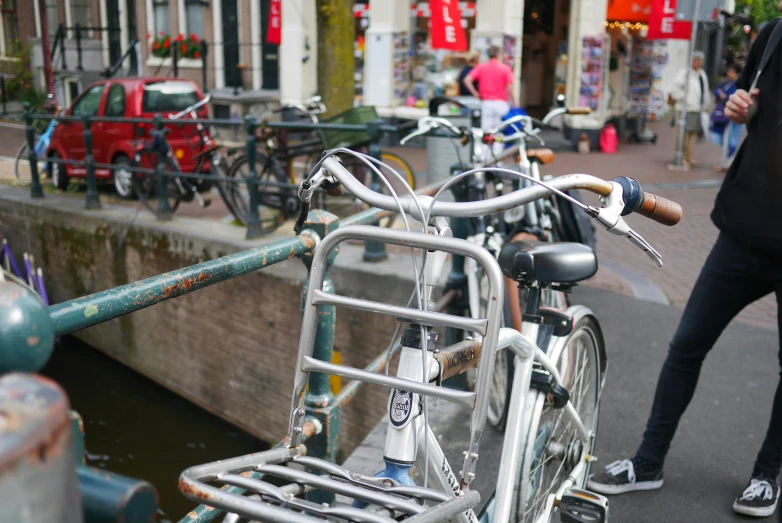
(495, 90)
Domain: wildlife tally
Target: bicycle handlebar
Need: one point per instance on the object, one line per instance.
(190, 109)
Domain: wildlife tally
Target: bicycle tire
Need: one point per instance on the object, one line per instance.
(271, 204)
(146, 185)
(23, 178)
(551, 451)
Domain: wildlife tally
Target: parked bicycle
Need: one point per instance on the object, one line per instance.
(285, 153)
(24, 176)
(535, 221)
(560, 361)
(211, 158)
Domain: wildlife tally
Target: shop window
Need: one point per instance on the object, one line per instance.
(195, 17)
(10, 26)
(161, 16)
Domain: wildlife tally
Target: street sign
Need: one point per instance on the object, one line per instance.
(663, 23)
(708, 11)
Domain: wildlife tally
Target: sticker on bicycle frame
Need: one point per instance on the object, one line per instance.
(400, 407)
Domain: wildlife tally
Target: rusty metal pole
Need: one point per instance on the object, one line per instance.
(46, 50)
(319, 398)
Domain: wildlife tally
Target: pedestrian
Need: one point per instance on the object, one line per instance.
(472, 61)
(745, 264)
(495, 89)
(723, 131)
(695, 104)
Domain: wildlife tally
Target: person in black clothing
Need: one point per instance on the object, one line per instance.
(472, 61)
(744, 265)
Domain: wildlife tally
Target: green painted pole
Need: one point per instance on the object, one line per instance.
(93, 200)
(253, 218)
(374, 251)
(319, 398)
(164, 213)
(36, 190)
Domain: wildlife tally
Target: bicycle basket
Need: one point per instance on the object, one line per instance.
(357, 116)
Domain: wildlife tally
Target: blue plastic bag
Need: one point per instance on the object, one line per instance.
(514, 111)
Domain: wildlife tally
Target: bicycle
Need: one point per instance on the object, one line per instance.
(526, 471)
(41, 145)
(276, 164)
(150, 152)
(538, 220)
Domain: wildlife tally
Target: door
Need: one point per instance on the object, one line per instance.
(72, 138)
(270, 53)
(106, 137)
(231, 43)
(115, 40)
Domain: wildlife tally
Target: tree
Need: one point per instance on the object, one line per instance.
(336, 61)
(761, 10)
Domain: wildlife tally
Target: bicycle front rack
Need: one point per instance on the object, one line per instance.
(390, 500)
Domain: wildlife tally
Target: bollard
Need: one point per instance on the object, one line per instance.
(319, 398)
(36, 190)
(38, 479)
(164, 213)
(80, 67)
(93, 199)
(253, 218)
(374, 251)
(204, 52)
(5, 95)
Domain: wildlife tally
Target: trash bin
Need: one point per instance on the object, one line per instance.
(443, 151)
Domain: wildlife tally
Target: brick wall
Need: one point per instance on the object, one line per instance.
(230, 348)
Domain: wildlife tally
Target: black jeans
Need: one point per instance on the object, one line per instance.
(732, 278)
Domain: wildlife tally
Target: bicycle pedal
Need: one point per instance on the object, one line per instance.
(206, 202)
(581, 506)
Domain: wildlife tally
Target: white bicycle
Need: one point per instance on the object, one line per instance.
(564, 368)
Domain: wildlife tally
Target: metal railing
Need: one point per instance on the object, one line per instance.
(108, 497)
(374, 129)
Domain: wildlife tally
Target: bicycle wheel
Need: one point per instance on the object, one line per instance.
(22, 170)
(273, 198)
(347, 205)
(553, 447)
(146, 185)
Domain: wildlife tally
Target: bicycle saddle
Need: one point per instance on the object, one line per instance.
(544, 156)
(547, 262)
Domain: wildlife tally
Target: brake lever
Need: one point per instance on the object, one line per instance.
(610, 217)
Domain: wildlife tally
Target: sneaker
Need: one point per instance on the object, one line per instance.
(759, 498)
(620, 477)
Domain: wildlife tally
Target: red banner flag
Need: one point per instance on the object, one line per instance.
(663, 23)
(274, 30)
(447, 30)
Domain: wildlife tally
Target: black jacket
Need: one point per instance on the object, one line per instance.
(749, 204)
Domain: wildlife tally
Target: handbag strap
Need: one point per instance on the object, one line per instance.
(771, 45)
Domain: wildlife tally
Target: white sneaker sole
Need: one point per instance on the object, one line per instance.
(621, 489)
(758, 512)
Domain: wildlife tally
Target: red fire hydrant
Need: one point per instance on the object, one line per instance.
(609, 139)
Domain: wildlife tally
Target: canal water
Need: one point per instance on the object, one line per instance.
(139, 429)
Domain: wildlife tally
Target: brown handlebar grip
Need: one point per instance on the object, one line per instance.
(578, 110)
(660, 210)
(335, 191)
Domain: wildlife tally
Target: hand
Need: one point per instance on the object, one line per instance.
(738, 105)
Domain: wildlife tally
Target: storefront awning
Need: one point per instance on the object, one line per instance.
(629, 10)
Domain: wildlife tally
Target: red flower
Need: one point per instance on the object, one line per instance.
(193, 37)
(196, 55)
(166, 44)
(162, 33)
(183, 48)
(155, 46)
(149, 35)
(180, 38)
